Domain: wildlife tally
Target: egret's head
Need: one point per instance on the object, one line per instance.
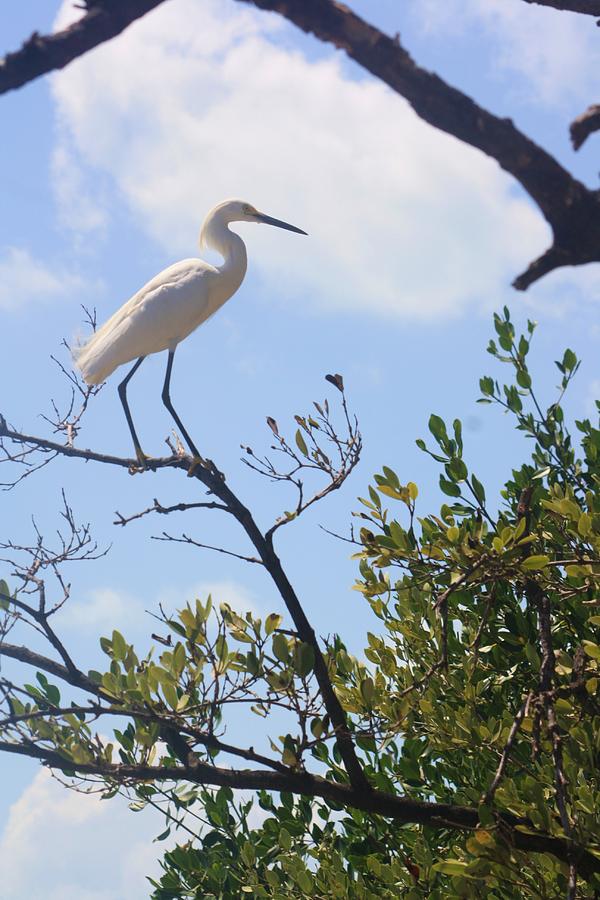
(240, 211)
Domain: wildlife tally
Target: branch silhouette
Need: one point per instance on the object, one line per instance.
(571, 209)
(214, 480)
(40, 54)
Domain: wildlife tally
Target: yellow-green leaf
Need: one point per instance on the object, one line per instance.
(301, 443)
(591, 649)
(413, 490)
(535, 562)
(272, 622)
(584, 526)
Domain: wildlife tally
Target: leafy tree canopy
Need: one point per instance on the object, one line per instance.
(473, 713)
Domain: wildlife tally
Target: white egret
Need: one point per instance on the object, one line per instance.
(172, 305)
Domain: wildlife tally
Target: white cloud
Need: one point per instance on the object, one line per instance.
(557, 52)
(25, 280)
(74, 835)
(102, 609)
(80, 207)
(195, 103)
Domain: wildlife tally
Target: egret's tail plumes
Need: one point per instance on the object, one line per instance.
(87, 360)
(102, 353)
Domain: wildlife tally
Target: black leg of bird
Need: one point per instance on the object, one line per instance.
(166, 399)
(122, 389)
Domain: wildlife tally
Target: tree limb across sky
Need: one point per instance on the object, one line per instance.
(40, 54)
(571, 209)
(587, 7)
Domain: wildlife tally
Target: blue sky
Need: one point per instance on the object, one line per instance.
(107, 171)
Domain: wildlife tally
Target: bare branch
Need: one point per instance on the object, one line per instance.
(157, 507)
(318, 447)
(76, 678)
(586, 7)
(584, 125)
(207, 473)
(96, 710)
(514, 730)
(572, 211)
(185, 539)
(44, 53)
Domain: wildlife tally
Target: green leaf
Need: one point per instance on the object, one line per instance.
(486, 386)
(281, 649)
(285, 839)
(119, 647)
(584, 526)
(486, 815)
(317, 728)
(478, 489)
(450, 867)
(449, 488)
(170, 694)
(413, 490)
(592, 650)
(437, 427)
(304, 659)
(391, 477)
(4, 595)
(367, 690)
(272, 622)
(535, 562)
(569, 360)
(457, 470)
(301, 443)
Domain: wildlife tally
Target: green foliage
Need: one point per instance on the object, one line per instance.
(458, 654)
(480, 688)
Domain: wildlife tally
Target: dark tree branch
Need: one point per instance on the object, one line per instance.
(283, 779)
(44, 53)
(166, 510)
(584, 125)
(74, 677)
(185, 539)
(399, 809)
(78, 679)
(212, 479)
(504, 759)
(571, 210)
(586, 7)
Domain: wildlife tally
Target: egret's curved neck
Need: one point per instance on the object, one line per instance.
(230, 246)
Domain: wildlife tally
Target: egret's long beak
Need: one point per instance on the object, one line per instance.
(268, 220)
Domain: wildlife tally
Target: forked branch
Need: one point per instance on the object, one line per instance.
(213, 480)
(571, 209)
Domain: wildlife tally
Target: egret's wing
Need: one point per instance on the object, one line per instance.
(157, 317)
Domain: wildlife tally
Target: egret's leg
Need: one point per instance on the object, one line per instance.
(166, 399)
(122, 389)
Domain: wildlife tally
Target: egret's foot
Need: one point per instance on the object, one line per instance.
(143, 461)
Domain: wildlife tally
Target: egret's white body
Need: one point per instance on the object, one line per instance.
(173, 304)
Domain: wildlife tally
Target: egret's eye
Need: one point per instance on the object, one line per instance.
(249, 211)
